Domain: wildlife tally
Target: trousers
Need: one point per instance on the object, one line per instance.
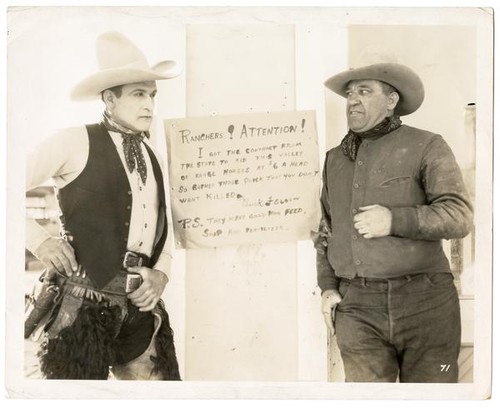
(405, 328)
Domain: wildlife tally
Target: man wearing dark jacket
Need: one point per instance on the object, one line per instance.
(111, 262)
(390, 194)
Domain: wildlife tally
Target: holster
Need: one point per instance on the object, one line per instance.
(40, 304)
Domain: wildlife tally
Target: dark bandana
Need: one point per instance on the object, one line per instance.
(351, 142)
(131, 145)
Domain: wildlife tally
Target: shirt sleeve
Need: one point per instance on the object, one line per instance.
(448, 213)
(35, 235)
(325, 273)
(60, 157)
(164, 261)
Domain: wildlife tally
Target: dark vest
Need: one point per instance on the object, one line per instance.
(97, 205)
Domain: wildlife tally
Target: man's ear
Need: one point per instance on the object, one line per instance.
(109, 98)
(392, 100)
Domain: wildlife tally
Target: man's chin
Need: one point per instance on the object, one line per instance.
(355, 127)
(142, 127)
(143, 124)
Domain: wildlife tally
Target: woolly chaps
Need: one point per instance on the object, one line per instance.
(83, 350)
(166, 360)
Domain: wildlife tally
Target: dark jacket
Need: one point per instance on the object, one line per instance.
(412, 172)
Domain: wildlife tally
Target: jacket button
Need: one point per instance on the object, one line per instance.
(354, 237)
(129, 192)
(356, 185)
(354, 211)
(360, 162)
(127, 224)
(128, 207)
(357, 262)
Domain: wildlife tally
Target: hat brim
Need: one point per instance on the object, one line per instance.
(408, 84)
(92, 86)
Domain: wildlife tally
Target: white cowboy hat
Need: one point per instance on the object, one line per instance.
(406, 81)
(120, 62)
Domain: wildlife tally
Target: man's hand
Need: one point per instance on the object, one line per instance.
(146, 296)
(59, 254)
(329, 300)
(374, 221)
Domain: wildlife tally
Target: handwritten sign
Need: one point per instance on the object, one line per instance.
(243, 179)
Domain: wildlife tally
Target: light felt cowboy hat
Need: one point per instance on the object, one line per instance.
(120, 62)
(406, 81)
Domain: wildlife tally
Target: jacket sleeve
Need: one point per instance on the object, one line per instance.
(448, 213)
(326, 274)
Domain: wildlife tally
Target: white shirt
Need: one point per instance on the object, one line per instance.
(63, 156)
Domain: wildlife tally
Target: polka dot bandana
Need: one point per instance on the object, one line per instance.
(131, 146)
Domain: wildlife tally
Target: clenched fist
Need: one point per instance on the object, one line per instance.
(373, 221)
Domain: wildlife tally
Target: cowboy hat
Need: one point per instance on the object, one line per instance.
(406, 81)
(120, 62)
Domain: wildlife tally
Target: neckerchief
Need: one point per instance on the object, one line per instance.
(131, 142)
(351, 142)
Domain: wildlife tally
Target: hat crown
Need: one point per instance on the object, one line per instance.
(114, 50)
(120, 62)
(403, 78)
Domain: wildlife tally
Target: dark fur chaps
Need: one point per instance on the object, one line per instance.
(166, 360)
(83, 350)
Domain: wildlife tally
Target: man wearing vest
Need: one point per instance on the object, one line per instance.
(390, 194)
(112, 259)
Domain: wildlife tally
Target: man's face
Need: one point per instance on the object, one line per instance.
(134, 108)
(367, 104)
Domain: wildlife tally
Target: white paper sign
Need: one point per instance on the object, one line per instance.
(243, 179)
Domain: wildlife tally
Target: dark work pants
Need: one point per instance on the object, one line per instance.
(407, 327)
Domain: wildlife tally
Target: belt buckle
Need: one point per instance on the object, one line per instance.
(131, 254)
(132, 282)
